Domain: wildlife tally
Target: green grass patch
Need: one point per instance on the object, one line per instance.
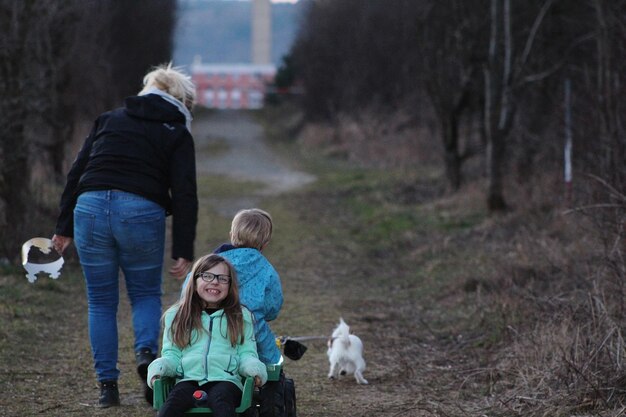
(439, 220)
(223, 186)
(383, 214)
(460, 221)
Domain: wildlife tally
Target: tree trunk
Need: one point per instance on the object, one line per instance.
(452, 159)
(14, 146)
(498, 112)
(62, 135)
(14, 192)
(495, 192)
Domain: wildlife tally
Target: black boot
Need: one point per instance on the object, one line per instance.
(144, 358)
(109, 395)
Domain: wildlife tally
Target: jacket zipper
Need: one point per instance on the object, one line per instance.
(206, 353)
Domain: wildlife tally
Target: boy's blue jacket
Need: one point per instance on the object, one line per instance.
(260, 291)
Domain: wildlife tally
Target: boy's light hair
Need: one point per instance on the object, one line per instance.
(173, 81)
(251, 228)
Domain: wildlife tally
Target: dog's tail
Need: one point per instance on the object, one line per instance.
(344, 333)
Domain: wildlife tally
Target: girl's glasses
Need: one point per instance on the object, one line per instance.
(209, 277)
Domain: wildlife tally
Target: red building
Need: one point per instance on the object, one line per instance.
(232, 86)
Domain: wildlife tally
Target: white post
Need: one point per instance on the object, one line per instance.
(568, 142)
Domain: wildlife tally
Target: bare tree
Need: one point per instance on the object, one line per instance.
(52, 96)
(60, 62)
(601, 121)
(40, 48)
(450, 47)
(22, 36)
(505, 73)
(351, 54)
(506, 69)
(610, 38)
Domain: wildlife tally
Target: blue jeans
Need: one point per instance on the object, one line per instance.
(116, 230)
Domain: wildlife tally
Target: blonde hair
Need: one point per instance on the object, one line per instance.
(173, 81)
(251, 228)
(190, 306)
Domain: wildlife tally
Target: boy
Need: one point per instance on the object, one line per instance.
(260, 289)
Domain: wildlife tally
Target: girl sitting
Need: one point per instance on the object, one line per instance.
(208, 342)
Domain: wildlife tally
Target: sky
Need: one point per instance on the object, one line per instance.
(219, 31)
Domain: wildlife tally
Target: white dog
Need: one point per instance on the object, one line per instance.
(345, 353)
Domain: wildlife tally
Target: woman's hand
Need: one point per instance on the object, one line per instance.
(61, 243)
(154, 378)
(180, 268)
(257, 381)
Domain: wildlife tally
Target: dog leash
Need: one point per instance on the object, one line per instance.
(283, 339)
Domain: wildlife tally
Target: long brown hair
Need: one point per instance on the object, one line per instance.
(190, 306)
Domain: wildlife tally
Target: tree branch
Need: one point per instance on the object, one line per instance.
(533, 32)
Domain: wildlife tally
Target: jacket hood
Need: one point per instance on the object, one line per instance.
(247, 260)
(153, 107)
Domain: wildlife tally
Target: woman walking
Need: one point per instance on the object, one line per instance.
(136, 166)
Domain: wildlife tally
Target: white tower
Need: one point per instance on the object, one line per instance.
(261, 32)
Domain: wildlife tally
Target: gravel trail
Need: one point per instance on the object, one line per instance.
(247, 157)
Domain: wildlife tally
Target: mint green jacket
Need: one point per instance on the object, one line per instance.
(210, 356)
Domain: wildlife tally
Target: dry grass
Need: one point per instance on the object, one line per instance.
(461, 313)
(373, 139)
(541, 286)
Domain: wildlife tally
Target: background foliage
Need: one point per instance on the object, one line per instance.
(61, 63)
(467, 97)
(487, 75)
(482, 84)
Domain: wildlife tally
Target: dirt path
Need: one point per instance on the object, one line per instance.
(423, 277)
(324, 276)
(45, 365)
(230, 143)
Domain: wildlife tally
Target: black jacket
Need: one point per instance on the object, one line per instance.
(143, 148)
